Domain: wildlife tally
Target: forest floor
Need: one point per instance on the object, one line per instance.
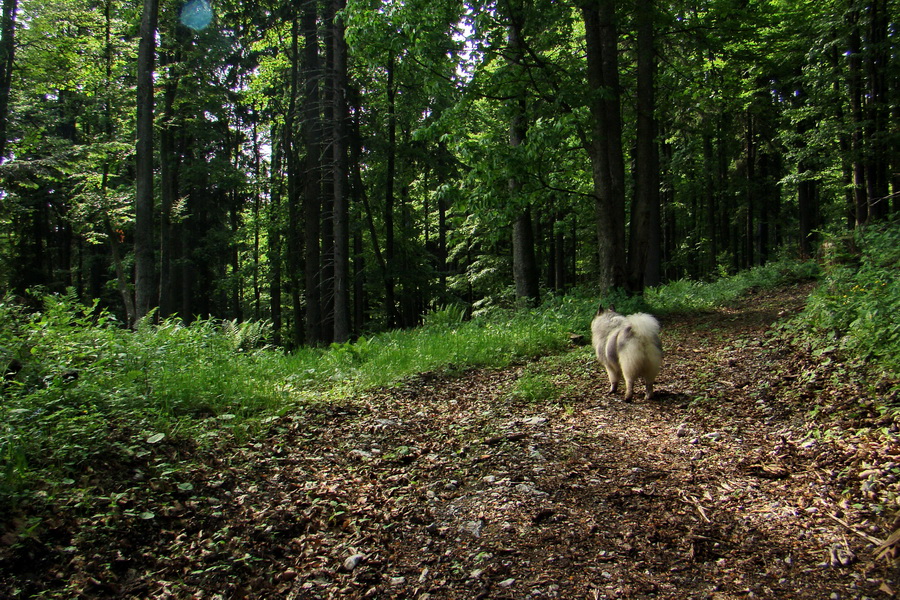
(756, 472)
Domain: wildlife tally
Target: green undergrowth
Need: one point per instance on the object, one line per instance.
(78, 387)
(687, 295)
(854, 311)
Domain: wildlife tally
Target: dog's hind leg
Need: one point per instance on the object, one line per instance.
(629, 389)
(610, 360)
(614, 377)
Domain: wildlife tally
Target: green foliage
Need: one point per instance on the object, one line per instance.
(856, 306)
(688, 295)
(449, 315)
(533, 386)
(76, 383)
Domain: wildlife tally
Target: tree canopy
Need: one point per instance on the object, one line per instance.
(338, 167)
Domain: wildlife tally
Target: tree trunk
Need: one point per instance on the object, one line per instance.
(644, 243)
(442, 247)
(274, 237)
(341, 204)
(168, 175)
(751, 187)
(361, 203)
(711, 209)
(605, 149)
(807, 197)
(7, 58)
(524, 263)
(312, 199)
(525, 269)
(257, 205)
(390, 301)
(854, 84)
(292, 165)
(143, 219)
(877, 63)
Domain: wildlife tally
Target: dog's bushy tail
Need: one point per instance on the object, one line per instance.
(644, 325)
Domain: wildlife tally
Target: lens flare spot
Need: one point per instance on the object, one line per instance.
(196, 14)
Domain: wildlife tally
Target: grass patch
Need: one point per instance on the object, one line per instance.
(686, 295)
(535, 387)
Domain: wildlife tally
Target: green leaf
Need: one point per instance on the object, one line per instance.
(156, 437)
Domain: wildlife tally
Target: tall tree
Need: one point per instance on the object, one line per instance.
(855, 93)
(312, 173)
(525, 271)
(877, 132)
(342, 325)
(390, 245)
(644, 241)
(605, 147)
(168, 171)
(143, 219)
(7, 58)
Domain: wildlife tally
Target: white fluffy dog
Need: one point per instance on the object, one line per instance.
(628, 347)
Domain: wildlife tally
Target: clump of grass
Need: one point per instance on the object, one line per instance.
(535, 387)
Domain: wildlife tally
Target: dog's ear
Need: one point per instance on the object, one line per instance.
(600, 308)
(611, 308)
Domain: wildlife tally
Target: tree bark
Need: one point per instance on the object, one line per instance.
(524, 263)
(877, 63)
(342, 324)
(292, 165)
(390, 301)
(143, 221)
(312, 196)
(644, 242)
(854, 76)
(751, 189)
(525, 269)
(274, 238)
(605, 148)
(7, 59)
(168, 175)
(360, 200)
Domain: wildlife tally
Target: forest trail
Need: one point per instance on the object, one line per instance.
(452, 487)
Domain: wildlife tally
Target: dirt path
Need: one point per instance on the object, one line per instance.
(452, 488)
